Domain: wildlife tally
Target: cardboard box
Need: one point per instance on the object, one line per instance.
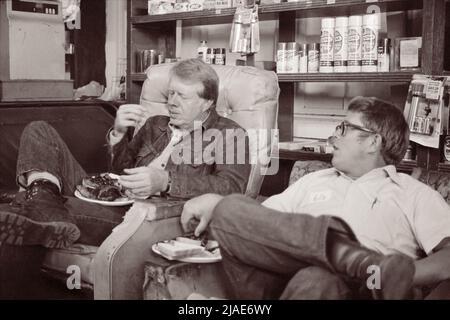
(36, 90)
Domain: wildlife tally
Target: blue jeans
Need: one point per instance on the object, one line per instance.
(266, 253)
(42, 149)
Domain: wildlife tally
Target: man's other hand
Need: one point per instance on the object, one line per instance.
(142, 182)
(128, 115)
(199, 211)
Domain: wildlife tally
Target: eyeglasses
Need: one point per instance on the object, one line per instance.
(341, 129)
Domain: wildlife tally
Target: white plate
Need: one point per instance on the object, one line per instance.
(203, 257)
(116, 203)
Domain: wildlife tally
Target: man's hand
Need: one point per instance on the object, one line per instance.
(128, 115)
(143, 182)
(199, 210)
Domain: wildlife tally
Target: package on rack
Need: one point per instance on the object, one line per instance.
(426, 110)
(195, 5)
(160, 6)
(244, 37)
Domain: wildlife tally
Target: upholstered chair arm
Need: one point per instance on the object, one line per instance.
(119, 262)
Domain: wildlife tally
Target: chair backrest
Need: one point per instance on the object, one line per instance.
(247, 95)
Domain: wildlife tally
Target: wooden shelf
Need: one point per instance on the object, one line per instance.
(295, 155)
(271, 8)
(348, 76)
(137, 20)
(330, 77)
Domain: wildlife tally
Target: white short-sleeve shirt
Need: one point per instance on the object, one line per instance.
(389, 212)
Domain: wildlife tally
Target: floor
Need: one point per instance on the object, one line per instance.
(21, 277)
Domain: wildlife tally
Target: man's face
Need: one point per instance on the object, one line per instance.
(185, 104)
(351, 145)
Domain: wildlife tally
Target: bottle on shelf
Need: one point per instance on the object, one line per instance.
(384, 52)
(202, 50)
(219, 57)
(303, 58)
(210, 56)
(313, 57)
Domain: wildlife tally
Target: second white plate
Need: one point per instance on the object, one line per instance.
(203, 257)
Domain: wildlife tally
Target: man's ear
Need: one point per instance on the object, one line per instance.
(375, 143)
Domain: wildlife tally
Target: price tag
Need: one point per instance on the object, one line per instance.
(331, 1)
(218, 11)
(433, 89)
(368, 1)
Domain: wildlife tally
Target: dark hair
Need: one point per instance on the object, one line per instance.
(388, 121)
(197, 70)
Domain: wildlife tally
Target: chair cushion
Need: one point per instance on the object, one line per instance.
(439, 181)
(302, 168)
(78, 255)
(247, 95)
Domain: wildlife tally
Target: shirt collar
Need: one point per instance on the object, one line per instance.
(207, 123)
(388, 170)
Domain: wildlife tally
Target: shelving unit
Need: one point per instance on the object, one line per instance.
(159, 32)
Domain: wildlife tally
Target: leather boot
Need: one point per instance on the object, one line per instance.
(38, 217)
(351, 259)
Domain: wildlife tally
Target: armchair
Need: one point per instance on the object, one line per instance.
(115, 270)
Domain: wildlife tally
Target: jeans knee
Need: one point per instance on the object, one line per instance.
(37, 128)
(316, 283)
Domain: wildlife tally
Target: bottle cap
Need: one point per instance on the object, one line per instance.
(303, 47)
(208, 51)
(341, 22)
(292, 46)
(281, 45)
(384, 45)
(314, 46)
(327, 23)
(355, 21)
(203, 42)
(224, 50)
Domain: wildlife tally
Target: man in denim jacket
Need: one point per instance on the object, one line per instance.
(185, 154)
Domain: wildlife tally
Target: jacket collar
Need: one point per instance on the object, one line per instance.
(207, 124)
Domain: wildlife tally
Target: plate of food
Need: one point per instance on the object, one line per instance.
(188, 250)
(103, 189)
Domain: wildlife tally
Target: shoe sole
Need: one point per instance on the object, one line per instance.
(397, 275)
(21, 231)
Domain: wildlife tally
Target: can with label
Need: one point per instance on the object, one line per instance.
(369, 46)
(281, 57)
(354, 44)
(303, 58)
(326, 45)
(313, 57)
(340, 45)
(291, 57)
(384, 47)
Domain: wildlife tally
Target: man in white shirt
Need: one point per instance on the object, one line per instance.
(293, 245)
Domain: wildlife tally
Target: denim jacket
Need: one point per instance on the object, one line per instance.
(205, 170)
